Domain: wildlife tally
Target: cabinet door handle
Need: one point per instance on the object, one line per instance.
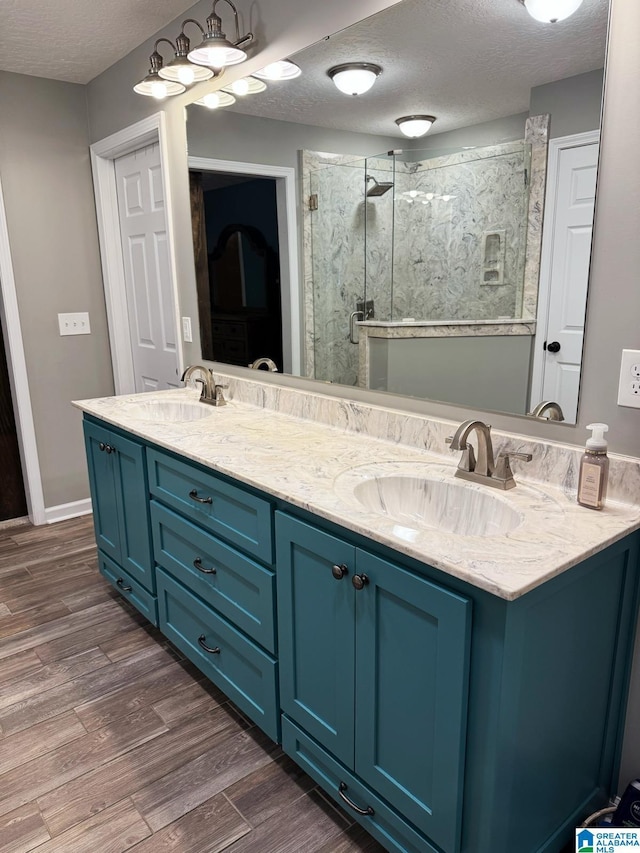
(341, 791)
(198, 564)
(203, 645)
(360, 581)
(109, 448)
(193, 494)
(120, 583)
(102, 445)
(339, 571)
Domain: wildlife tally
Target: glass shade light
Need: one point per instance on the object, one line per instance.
(216, 50)
(281, 70)
(216, 100)
(414, 126)
(245, 86)
(180, 70)
(551, 11)
(354, 78)
(153, 85)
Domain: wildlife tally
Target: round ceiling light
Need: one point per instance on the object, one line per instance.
(551, 11)
(215, 100)
(414, 126)
(354, 78)
(284, 69)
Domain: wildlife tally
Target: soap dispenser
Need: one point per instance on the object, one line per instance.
(594, 469)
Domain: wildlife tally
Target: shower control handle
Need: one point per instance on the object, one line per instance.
(352, 317)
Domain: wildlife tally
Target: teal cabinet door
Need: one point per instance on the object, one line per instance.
(412, 672)
(132, 495)
(120, 499)
(103, 490)
(316, 633)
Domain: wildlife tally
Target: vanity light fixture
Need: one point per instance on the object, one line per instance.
(180, 69)
(216, 50)
(284, 69)
(245, 86)
(153, 84)
(354, 78)
(414, 126)
(551, 11)
(216, 100)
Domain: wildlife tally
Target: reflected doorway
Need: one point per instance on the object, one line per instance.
(237, 253)
(13, 502)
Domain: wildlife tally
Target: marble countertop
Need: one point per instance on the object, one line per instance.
(316, 467)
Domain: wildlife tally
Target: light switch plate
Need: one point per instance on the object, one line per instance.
(74, 324)
(187, 337)
(629, 387)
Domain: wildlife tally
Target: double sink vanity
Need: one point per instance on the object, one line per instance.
(449, 661)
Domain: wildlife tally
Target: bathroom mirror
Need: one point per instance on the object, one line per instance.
(452, 267)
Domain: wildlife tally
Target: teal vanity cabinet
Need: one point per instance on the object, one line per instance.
(118, 481)
(213, 547)
(443, 718)
(374, 664)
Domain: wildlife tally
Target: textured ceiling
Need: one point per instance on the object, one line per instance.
(464, 61)
(75, 40)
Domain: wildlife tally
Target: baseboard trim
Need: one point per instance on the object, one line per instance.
(70, 510)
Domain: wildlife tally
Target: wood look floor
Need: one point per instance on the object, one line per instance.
(110, 741)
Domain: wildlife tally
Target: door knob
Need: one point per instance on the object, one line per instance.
(554, 346)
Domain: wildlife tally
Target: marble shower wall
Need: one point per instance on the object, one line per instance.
(444, 210)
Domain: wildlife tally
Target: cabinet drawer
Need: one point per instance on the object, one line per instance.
(223, 509)
(238, 587)
(385, 824)
(129, 588)
(243, 671)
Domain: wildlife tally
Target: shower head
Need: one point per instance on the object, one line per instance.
(378, 188)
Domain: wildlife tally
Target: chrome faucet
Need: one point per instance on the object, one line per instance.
(269, 363)
(497, 474)
(209, 393)
(555, 413)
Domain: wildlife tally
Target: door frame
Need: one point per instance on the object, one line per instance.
(556, 147)
(285, 178)
(19, 378)
(103, 154)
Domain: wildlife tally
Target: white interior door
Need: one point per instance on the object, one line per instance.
(570, 220)
(147, 270)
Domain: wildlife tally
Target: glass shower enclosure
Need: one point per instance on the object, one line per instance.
(425, 235)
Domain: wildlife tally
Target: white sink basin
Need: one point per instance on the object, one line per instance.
(425, 496)
(169, 411)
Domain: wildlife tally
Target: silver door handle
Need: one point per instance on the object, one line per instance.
(352, 317)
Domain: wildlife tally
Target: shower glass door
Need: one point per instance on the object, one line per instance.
(338, 269)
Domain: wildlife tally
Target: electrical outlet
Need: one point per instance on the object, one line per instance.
(629, 387)
(74, 324)
(187, 337)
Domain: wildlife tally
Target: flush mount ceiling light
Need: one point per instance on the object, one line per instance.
(153, 85)
(245, 86)
(216, 100)
(284, 69)
(414, 126)
(216, 50)
(354, 78)
(551, 11)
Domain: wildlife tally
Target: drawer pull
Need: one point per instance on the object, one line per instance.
(360, 581)
(193, 494)
(203, 645)
(198, 565)
(341, 791)
(120, 583)
(339, 571)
